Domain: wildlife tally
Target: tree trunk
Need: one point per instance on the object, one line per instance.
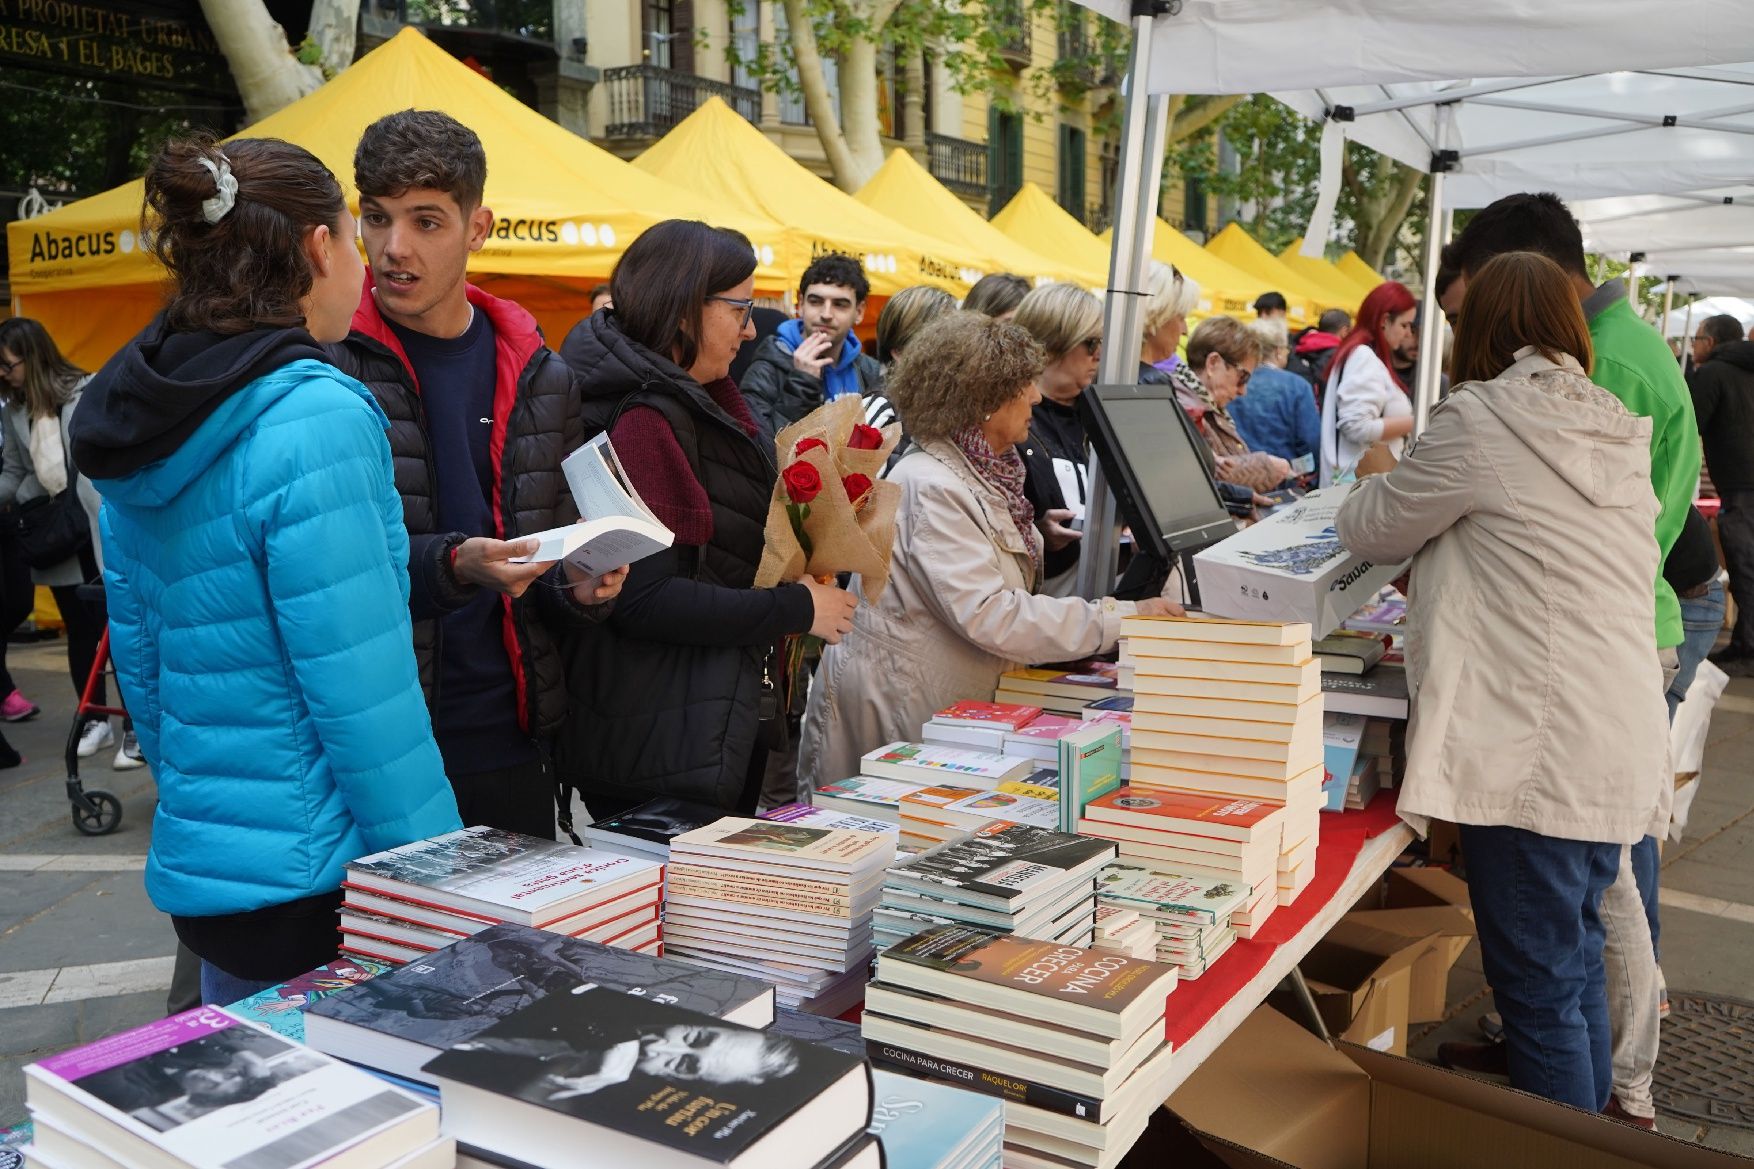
(267, 75)
(913, 114)
(816, 97)
(1377, 236)
(862, 130)
(335, 29)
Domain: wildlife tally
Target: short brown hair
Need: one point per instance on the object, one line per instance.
(959, 369)
(1228, 337)
(417, 149)
(1517, 299)
(661, 283)
(247, 269)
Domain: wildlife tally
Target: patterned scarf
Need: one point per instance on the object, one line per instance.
(1004, 473)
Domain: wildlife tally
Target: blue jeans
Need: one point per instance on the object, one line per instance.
(1535, 906)
(1702, 619)
(219, 989)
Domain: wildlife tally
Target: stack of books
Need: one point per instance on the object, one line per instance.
(926, 1125)
(1382, 693)
(814, 817)
(1385, 741)
(1233, 708)
(409, 901)
(1346, 651)
(1189, 916)
(1123, 931)
(934, 815)
(399, 1021)
(646, 831)
(1364, 784)
(206, 1090)
(1071, 1038)
(1014, 878)
(1342, 734)
(1194, 834)
(865, 795)
(786, 903)
(1066, 690)
(981, 725)
(927, 765)
(604, 1080)
(1040, 740)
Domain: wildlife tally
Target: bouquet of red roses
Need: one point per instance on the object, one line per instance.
(830, 512)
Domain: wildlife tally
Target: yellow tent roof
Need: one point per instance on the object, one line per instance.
(1225, 290)
(1362, 274)
(1320, 271)
(564, 209)
(1040, 224)
(1237, 246)
(716, 151)
(902, 188)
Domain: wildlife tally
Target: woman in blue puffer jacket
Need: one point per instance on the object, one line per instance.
(255, 565)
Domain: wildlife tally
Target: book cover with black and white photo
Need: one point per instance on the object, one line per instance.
(651, 826)
(1003, 863)
(649, 1083)
(401, 1019)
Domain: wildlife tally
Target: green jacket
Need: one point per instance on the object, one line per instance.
(1634, 365)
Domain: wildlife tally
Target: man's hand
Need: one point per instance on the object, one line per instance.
(488, 563)
(594, 590)
(811, 355)
(618, 1064)
(1054, 532)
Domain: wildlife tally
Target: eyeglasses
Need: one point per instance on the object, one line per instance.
(8, 366)
(1092, 345)
(1242, 375)
(748, 307)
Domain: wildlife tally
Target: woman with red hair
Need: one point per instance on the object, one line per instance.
(1366, 402)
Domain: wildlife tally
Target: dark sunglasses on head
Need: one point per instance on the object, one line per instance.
(748, 306)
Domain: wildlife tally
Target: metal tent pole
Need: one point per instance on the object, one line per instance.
(1437, 224)
(1668, 304)
(1143, 137)
(1632, 280)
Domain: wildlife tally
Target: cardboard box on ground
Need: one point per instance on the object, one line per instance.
(1423, 903)
(1362, 978)
(1275, 1096)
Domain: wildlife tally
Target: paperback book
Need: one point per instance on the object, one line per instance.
(926, 764)
(1003, 865)
(619, 528)
(282, 1008)
(648, 829)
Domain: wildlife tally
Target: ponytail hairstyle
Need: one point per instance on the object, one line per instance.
(49, 377)
(236, 257)
(1388, 299)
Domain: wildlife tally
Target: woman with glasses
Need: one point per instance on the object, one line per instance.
(668, 694)
(1366, 401)
(1222, 356)
(1066, 322)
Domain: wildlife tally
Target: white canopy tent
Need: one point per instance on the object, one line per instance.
(1387, 59)
(1701, 241)
(1711, 306)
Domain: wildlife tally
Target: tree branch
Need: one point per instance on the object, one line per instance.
(816, 99)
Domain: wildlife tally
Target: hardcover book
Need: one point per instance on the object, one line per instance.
(1003, 865)
(1380, 693)
(399, 1021)
(601, 1080)
(837, 1034)
(207, 1090)
(650, 827)
(502, 876)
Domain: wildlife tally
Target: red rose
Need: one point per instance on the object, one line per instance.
(803, 482)
(809, 444)
(856, 485)
(865, 438)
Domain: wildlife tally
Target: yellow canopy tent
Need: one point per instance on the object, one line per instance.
(1225, 290)
(1237, 246)
(1362, 274)
(1042, 225)
(717, 152)
(903, 189)
(1320, 271)
(564, 210)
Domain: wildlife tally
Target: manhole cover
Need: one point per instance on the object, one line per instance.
(1706, 1067)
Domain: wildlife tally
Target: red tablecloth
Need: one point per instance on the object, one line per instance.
(1342, 837)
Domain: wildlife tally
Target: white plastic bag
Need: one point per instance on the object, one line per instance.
(1687, 735)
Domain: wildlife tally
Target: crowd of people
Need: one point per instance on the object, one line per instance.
(316, 474)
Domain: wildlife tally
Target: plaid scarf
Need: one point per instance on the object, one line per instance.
(1005, 473)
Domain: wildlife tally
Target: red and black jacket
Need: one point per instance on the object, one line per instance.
(536, 423)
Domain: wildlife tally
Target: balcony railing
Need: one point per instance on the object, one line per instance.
(646, 101)
(1012, 28)
(957, 163)
(1074, 68)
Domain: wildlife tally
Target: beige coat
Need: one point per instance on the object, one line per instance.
(958, 612)
(1538, 697)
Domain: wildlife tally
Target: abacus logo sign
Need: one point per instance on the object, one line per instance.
(49, 247)
(538, 231)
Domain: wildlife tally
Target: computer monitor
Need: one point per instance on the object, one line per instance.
(1157, 465)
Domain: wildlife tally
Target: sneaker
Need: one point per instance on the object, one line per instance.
(1617, 1111)
(96, 737)
(128, 755)
(15, 708)
(1483, 1059)
(1492, 1026)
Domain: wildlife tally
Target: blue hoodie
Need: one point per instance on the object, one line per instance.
(838, 379)
(256, 574)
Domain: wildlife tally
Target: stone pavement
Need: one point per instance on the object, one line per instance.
(84, 954)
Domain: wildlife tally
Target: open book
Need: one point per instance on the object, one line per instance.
(618, 527)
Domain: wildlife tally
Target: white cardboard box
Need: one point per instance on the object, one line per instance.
(1291, 567)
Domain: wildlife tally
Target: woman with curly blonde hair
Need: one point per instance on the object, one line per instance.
(961, 607)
